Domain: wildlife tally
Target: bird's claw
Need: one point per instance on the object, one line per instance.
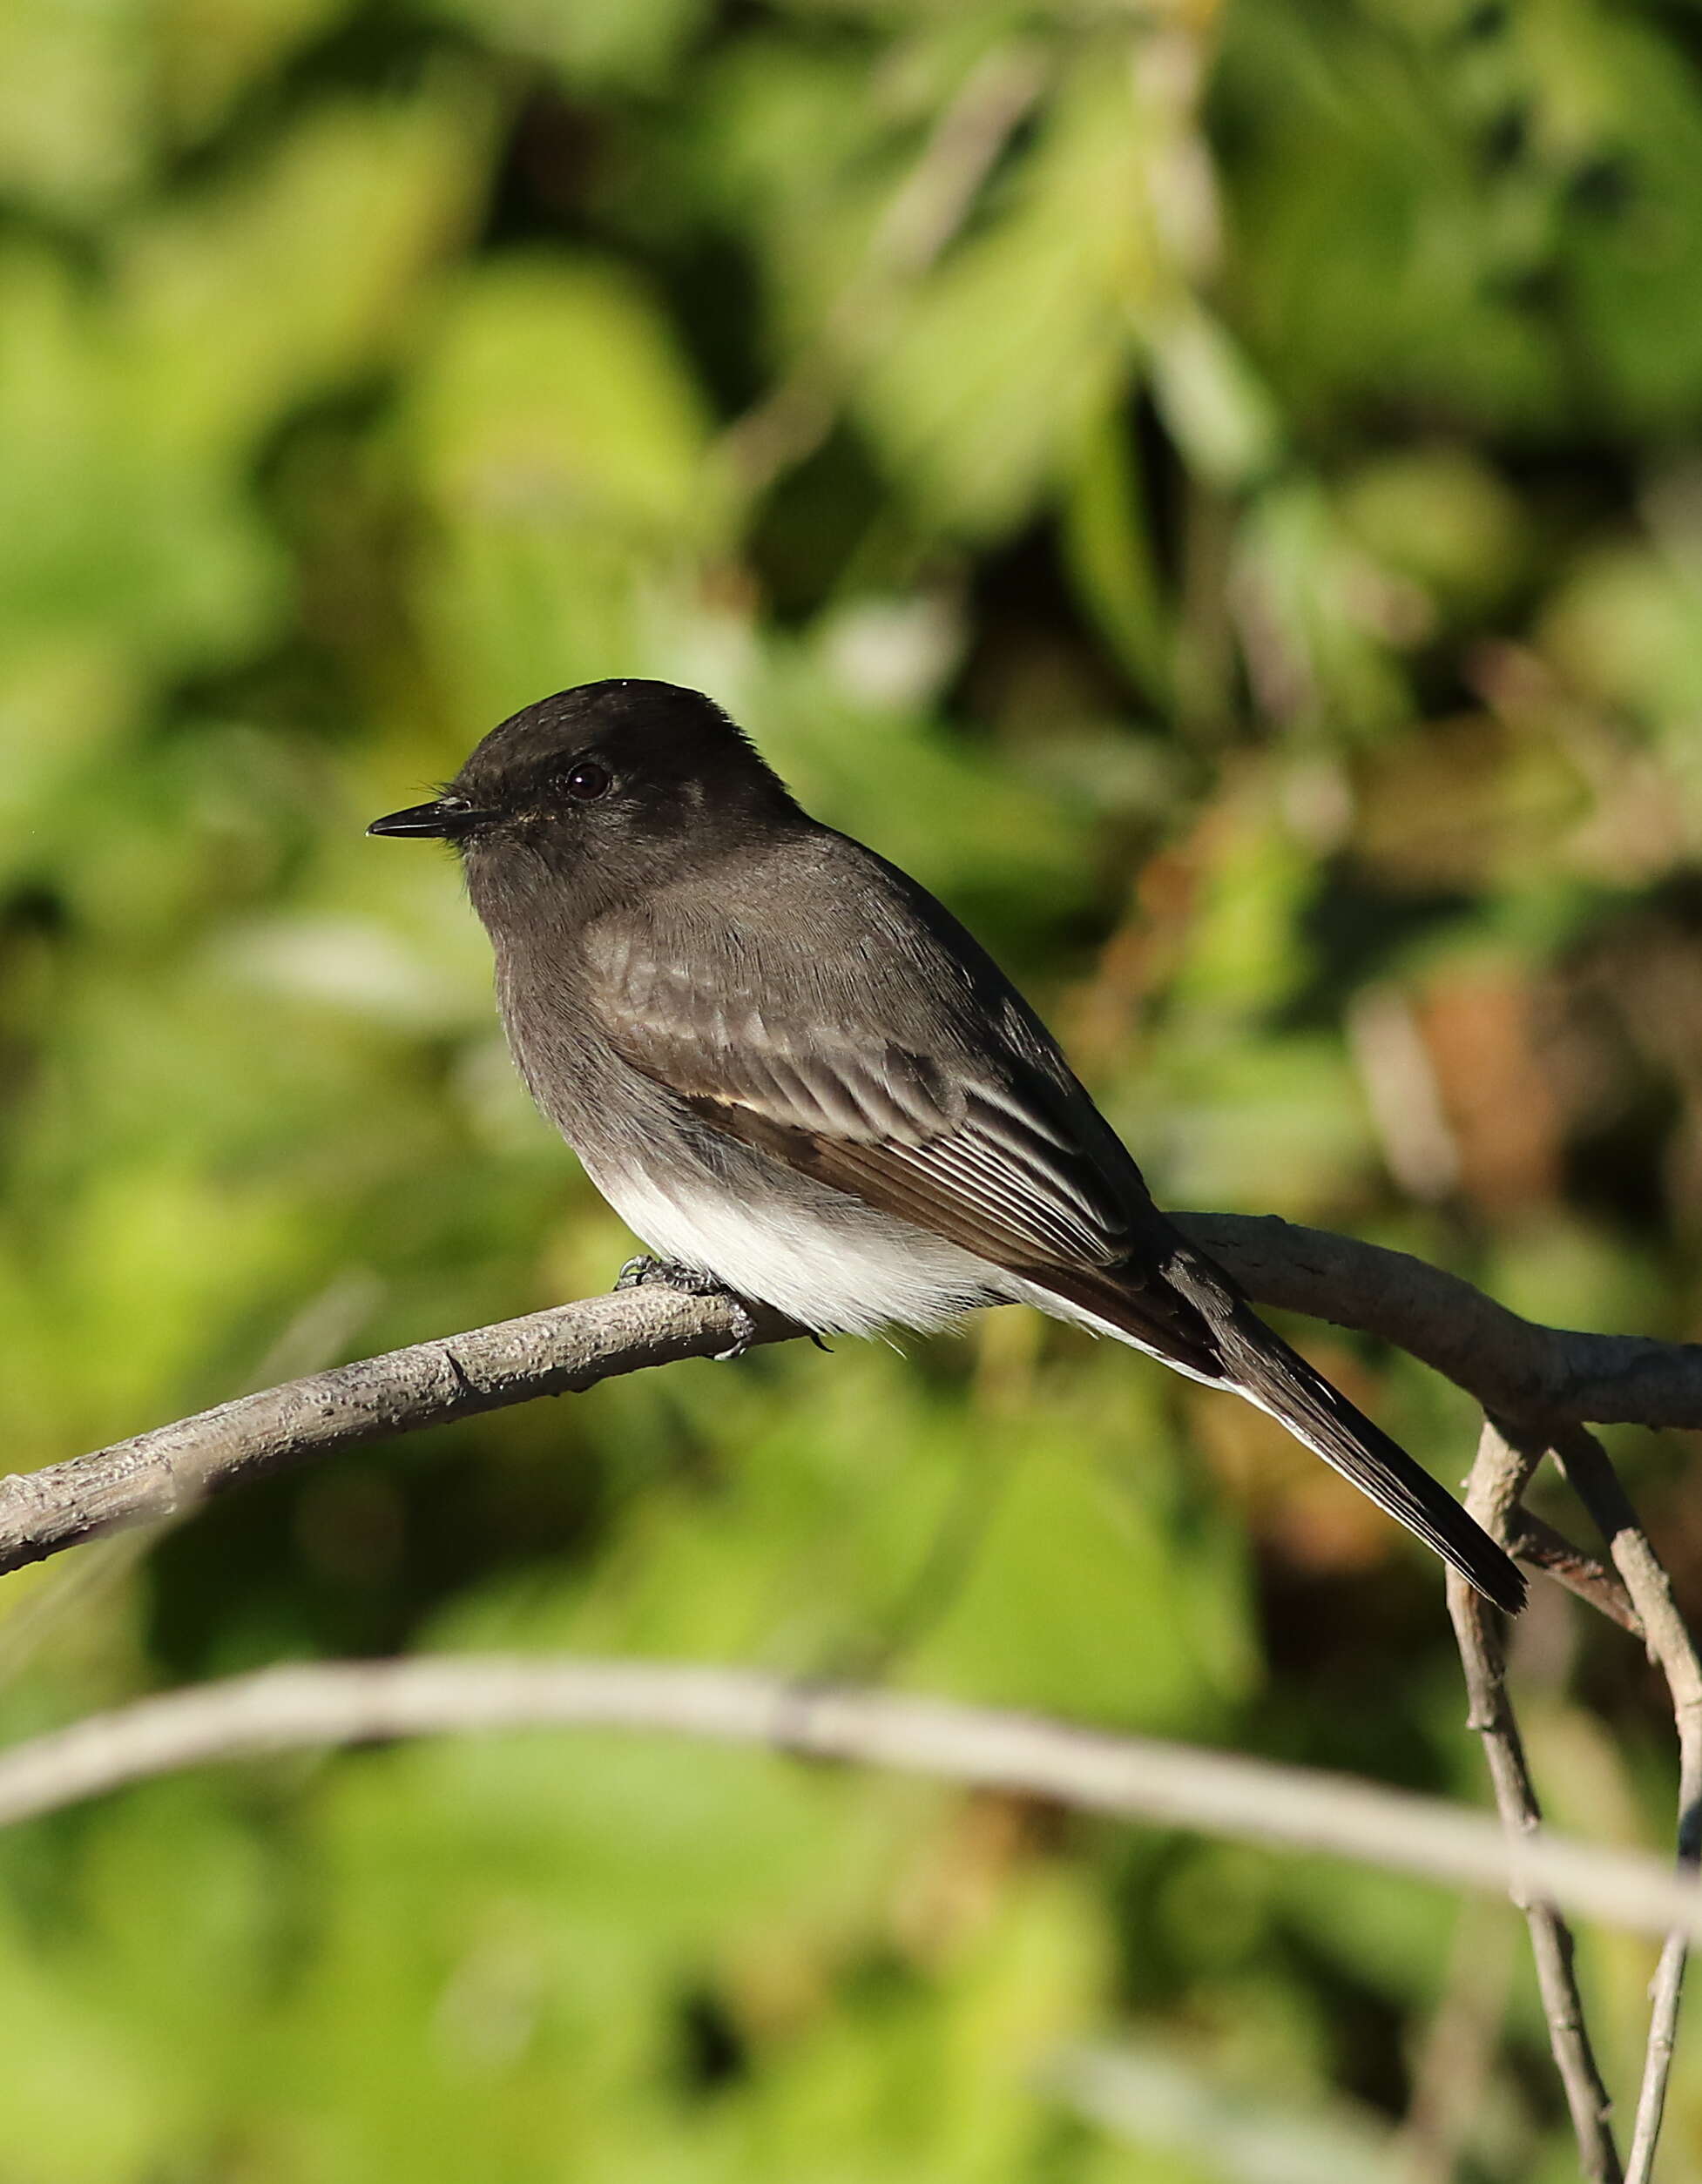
(645, 1271)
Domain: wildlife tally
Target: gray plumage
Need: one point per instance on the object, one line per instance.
(788, 1068)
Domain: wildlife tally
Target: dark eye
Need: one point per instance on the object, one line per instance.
(587, 781)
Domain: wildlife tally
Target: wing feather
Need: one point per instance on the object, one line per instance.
(994, 1148)
(971, 1127)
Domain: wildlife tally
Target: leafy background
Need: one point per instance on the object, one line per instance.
(1217, 492)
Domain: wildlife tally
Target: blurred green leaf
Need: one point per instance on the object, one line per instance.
(1213, 497)
(563, 452)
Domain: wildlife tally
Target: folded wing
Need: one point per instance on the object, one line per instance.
(974, 1128)
(981, 1142)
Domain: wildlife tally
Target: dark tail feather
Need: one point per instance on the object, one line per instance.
(1281, 1382)
(1259, 1364)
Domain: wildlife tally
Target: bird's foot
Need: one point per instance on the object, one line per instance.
(643, 1273)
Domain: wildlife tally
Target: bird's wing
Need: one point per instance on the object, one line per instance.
(984, 1139)
(977, 1132)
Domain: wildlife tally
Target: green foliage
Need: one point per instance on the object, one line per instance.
(1213, 494)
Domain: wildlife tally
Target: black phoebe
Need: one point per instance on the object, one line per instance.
(796, 1076)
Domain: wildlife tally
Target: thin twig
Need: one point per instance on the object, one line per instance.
(1671, 1648)
(1171, 1785)
(1550, 1551)
(1454, 2065)
(1515, 1368)
(1503, 1469)
(928, 1591)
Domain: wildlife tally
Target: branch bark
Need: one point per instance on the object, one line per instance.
(1504, 1467)
(1139, 1778)
(1515, 1368)
(1544, 1376)
(1673, 1651)
(161, 1473)
(1544, 1381)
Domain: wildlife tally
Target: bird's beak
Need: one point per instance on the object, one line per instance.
(441, 822)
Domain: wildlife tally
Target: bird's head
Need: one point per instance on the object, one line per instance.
(609, 768)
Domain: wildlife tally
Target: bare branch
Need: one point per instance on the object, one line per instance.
(1171, 1785)
(1546, 1379)
(1547, 1550)
(1499, 1476)
(1515, 1368)
(159, 1474)
(1672, 1649)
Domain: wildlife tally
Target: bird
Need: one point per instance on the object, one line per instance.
(802, 1083)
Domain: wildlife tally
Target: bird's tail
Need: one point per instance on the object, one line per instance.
(1257, 1363)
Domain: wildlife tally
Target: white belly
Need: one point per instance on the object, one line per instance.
(837, 1266)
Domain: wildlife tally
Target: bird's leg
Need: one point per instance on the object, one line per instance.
(645, 1272)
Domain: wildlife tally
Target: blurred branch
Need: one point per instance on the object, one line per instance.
(1540, 1375)
(1546, 1379)
(1172, 1785)
(1503, 1468)
(921, 218)
(1452, 2074)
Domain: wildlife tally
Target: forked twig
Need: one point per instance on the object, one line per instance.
(1539, 1545)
